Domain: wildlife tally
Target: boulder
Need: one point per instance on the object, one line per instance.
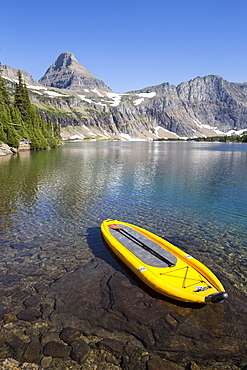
(32, 301)
(113, 346)
(32, 352)
(5, 150)
(49, 337)
(79, 351)
(15, 342)
(68, 335)
(56, 349)
(9, 317)
(159, 364)
(29, 314)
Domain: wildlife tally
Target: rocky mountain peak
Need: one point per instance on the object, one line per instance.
(67, 61)
(67, 73)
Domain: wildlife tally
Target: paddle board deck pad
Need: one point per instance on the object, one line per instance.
(161, 265)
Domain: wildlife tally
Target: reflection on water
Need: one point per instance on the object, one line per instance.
(194, 194)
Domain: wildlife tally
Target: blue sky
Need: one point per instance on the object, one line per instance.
(129, 44)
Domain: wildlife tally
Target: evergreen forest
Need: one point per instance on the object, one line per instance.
(20, 120)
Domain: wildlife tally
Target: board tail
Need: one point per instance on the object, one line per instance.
(216, 297)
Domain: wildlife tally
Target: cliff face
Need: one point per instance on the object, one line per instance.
(205, 106)
(67, 73)
(194, 107)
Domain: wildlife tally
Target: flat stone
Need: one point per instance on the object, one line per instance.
(68, 334)
(9, 317)
(46, 310)
(113, 346)
(132, 358)
(13, 278)
(29, 314)
(32, 301)
(40, 287)
(20, 245)
(9, 326)
(112, 360)
(56, 349)
(79, 351)
(2, 310)
(49, 337)
(15, 342)
(160, 364)
(32, 352)
(46, 362)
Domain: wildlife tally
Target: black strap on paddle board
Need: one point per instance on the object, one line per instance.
(141, 244)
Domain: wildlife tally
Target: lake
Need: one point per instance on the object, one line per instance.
(53, 202)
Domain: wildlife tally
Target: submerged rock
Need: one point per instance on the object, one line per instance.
(29, 314)
(96, 299)
(68, 335)
(79, 351)
(56, 349)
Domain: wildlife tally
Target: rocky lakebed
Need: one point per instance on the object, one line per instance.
(88, 315)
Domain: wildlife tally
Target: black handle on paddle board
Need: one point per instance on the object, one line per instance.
(141, 244)
(216, 297)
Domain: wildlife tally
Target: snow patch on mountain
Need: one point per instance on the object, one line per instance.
(138, 101)
(147, 95)
(97, 92)
(85, 99)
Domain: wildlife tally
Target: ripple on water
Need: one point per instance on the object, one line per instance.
(195, 195)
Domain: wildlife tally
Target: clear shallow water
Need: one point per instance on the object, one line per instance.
(194, 194)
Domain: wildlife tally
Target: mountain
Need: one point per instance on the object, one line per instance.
(202, 107)
(10, 74)
(198, 107)
(67, 73)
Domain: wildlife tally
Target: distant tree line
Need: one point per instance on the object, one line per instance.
(20, 120)
(233, 138)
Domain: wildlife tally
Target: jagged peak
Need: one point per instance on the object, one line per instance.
(67, 73)
(67, 60)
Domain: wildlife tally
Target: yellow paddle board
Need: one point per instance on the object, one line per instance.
(161, 265)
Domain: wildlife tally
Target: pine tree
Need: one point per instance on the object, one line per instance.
(32, 124)
(4, 96)
(22, 101)
(4, 99)
(56, 130)
(12, 138)
(19, 123)
(21, 119)
(3, 136)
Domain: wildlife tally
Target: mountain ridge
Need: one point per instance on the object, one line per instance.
(204, 106)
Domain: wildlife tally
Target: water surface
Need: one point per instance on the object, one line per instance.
(194, 194)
